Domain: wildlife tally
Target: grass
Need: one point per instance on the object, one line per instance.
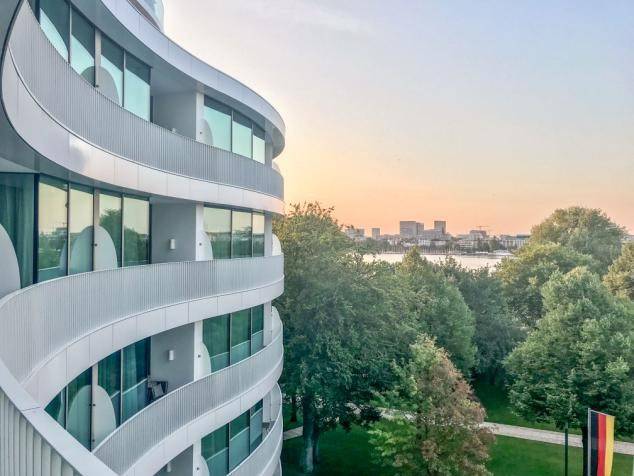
(514, 457)
(351, 454)
(495, 401)
(342, 454)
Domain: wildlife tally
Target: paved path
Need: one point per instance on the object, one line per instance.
(524, 433)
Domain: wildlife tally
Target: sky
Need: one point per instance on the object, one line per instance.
(485, 114)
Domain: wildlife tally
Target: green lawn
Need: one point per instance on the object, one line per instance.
(498, 407)
(351, 454)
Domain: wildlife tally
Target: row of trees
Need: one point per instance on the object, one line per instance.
(363, 336)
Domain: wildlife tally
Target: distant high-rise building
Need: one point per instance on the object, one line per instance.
(355, 233)
(408, 229)
(420, 227)
(440, 226)
(376, 233)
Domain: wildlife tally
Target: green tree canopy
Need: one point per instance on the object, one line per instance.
(586, 230)
(580, 356)
(532, 266)
(439, 308)
(496, 332)
(620, 276)
(343, 323)
(434, 426)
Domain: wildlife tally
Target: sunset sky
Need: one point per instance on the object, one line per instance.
(488, 113)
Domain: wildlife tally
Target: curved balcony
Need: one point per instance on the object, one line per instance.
(265, 459)
(153, 10)
(63, 326)
(159, 432)
(71, 123)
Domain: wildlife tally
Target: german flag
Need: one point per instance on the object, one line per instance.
(601, 447)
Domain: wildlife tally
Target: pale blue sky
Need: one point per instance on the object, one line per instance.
(482, 113)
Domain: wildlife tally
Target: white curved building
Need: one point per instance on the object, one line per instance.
(137, 260)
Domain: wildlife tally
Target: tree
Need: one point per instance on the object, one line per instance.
(620, 276)
(435, 425)
(580, 356)
(496, 332)
(529, 269)
(439, 308)
(586, 230)
(342, 325)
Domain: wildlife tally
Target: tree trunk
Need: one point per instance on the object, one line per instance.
(316, 454)
(293, 408)
(584, 440)
(307, 462)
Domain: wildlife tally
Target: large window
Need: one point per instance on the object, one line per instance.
(111, 72)
(241, 234)
(215, 451)
(136, 366)
(53, 228)
(71, 408)
(241, 141)
(217, 118)
(258, 234)
(81, 229)
(217, 223)
(137, 87)
(259, 145)
(227, 129)
(17, 216)
(216, 339)
(123, 375)
(55, 22)
(71, 239)
(108, 234)
(82, 47)
(231, 444)
(240, 335)
(257, 328)
(233, 337)
(109, 378)
(136, 225)
(234, 233)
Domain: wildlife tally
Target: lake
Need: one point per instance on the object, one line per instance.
(468, 261)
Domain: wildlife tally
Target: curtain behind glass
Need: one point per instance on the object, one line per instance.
(17, 214)
(135, 373)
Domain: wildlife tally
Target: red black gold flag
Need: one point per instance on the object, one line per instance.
(601, 443)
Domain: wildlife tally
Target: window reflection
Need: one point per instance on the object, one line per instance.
(241, 135)
(259, 145)
(81, 230)
(109, 371)
(53, 228)
(240, 335)
(137, 87)
(240, 234)
(136, 365)
(216, 339)
(55, 22)
(83, 47)
(258, 234)
(217, 130)
(108, 234)
(78, 422)
(111, 72)
(136, 223)
(217, 223)
(257, 329)
(17, 213)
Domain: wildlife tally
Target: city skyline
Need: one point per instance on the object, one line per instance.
(497, 115)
